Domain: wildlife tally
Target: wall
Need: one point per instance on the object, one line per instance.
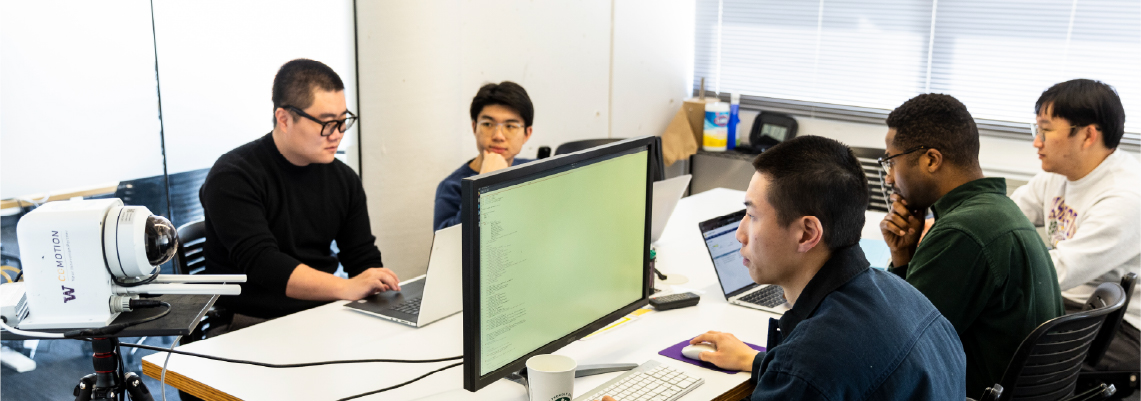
(594, 69)
(217, 60)
(81, 98)
(78, 107)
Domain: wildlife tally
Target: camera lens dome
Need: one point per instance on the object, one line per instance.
(161, 239)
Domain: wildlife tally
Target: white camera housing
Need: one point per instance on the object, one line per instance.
(73, 251)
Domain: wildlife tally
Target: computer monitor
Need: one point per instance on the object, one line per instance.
(552, 251)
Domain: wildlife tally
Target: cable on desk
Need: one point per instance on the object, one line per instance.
(403, 384)
(290, 365)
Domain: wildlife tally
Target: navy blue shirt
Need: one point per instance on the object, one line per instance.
(860, 334)
(448, 195)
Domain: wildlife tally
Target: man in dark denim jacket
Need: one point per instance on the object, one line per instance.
(853, 333)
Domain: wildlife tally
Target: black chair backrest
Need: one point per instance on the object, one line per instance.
(575, 146)
(191, 241)
(872, 169)
(1047, 363)
(1112, 322)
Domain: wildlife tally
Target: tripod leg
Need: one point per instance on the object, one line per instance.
(82, 390)
(136, 388)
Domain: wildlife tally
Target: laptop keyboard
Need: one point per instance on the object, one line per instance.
(769, 297)
(410, 306)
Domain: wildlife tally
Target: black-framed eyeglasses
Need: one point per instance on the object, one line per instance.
(887, 163)
(327, 127)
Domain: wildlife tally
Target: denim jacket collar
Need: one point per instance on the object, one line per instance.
(845, 264)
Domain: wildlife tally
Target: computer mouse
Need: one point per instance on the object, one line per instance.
(694, 351)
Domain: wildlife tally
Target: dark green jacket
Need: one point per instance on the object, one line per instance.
(986, 269)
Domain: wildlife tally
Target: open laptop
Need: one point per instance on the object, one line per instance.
(666, 195)
(429, 297)
(720, 235)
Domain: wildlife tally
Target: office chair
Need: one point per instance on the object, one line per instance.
(659, 168)
(190, 259)
(1125, 382)
(575, 146)
(1046, 365)
(878, 200)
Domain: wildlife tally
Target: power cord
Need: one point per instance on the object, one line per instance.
(171, 350)
(289, 365)
(162, 377)
(403, 384)
(115, 328)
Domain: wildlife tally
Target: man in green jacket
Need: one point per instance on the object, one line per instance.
(981, 264)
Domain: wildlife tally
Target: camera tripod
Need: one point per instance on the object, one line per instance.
(109, 382)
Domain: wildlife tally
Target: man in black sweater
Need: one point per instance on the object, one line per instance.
(273, 206)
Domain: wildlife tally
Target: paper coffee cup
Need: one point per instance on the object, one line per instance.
(550, 377)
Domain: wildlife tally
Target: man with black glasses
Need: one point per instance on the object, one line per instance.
(1089, 200)
(501, 116)
(275, 205)
(982, 264)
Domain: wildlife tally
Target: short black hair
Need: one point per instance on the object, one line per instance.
(296, 81)
(817, 176)
(937, 121)
(1083, 102)
(507, 94)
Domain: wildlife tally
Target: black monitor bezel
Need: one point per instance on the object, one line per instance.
(473, 381)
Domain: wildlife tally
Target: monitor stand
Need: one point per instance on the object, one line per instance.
(582, 371)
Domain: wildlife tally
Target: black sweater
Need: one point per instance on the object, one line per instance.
(265, 216)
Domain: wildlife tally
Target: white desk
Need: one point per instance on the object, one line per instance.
(332, 332)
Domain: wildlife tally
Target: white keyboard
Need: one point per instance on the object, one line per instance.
(650, 381)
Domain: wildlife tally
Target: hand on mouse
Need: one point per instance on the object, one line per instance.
(732, 354)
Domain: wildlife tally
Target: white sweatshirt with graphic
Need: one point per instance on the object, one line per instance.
(1093, 225)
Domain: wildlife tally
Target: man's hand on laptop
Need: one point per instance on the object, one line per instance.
(371, 281)
(732, 354)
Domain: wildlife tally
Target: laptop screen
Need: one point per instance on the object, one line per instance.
(720, 236)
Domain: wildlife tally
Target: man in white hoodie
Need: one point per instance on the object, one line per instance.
(1089, 200)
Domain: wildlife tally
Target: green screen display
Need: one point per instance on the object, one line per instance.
(557, 253)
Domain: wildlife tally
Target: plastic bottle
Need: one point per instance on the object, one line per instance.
(716, 134)
(734, 107)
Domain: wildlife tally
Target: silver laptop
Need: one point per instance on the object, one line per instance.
(720, 234)
(429, 297)
(666, 195)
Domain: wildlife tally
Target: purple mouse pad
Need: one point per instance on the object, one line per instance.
(674, 352)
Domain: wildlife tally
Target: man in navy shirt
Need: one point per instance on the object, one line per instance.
(853, 333)
(501, 116)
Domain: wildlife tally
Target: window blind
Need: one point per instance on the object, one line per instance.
(858, 57)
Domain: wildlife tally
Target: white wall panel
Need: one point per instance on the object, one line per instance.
(217, 60)
(78, 105)
(422, 62)
(653, 64)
